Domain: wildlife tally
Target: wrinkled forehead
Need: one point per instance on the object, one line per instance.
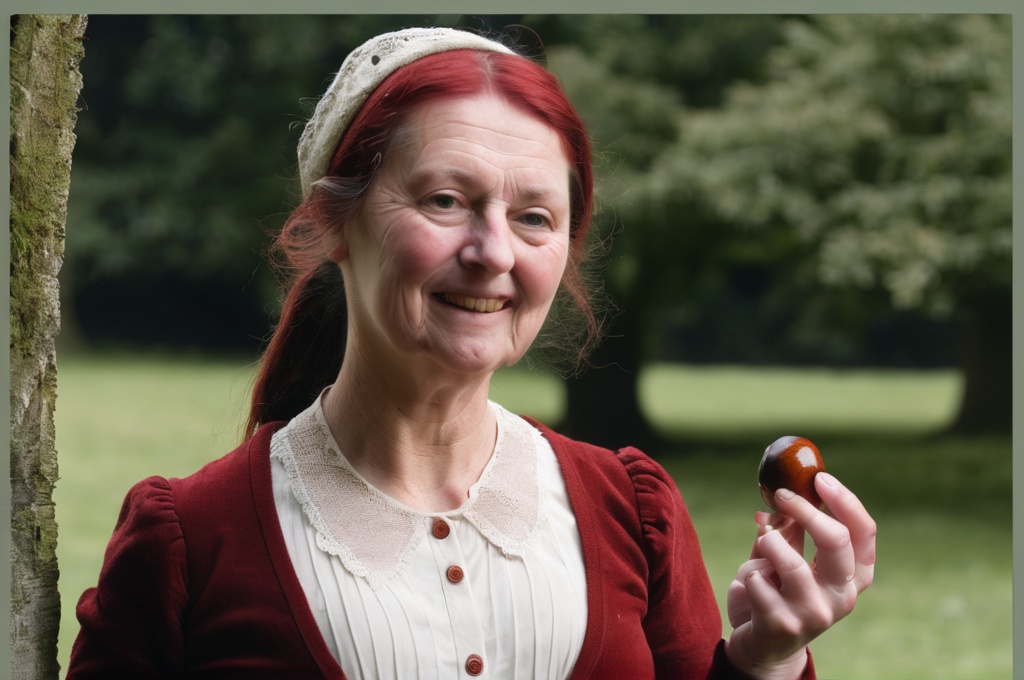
(487, 125)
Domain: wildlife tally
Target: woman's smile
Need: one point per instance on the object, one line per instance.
(485, 305)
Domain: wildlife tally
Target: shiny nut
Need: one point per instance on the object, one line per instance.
(790, 463)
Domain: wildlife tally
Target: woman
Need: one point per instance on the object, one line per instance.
(385, 519)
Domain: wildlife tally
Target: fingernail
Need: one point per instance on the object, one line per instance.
(762, 530)
(828, 479)
(784, 494)
(753, 574)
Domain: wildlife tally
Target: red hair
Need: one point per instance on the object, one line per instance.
(306, 349)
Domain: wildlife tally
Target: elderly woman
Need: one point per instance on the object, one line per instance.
(385, 519)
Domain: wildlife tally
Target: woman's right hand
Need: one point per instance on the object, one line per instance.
(778, 602)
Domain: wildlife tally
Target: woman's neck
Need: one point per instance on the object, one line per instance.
(424, 443)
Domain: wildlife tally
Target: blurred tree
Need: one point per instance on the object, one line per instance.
(630, 76)
(878, 155)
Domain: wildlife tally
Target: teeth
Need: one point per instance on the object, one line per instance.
(476, 304)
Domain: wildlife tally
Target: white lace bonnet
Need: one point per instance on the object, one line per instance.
(360, 74)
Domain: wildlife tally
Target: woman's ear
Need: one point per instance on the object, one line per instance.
(336, 246)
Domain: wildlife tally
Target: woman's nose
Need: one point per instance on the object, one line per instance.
(489, 242)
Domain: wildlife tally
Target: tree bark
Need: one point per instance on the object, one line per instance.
(45, 82)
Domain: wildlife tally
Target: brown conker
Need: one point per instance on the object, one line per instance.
(790, 463)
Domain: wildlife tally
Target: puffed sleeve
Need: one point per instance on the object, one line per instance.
(131, 621)
(683, 624)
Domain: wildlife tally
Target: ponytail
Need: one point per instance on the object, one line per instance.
(305, 352)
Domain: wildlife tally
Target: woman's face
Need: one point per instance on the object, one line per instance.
(458, 250)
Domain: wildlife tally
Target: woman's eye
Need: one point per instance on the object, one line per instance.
(534, 220)
(443, 201)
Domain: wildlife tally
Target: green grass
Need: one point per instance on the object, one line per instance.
(941, 603)
(739, 401)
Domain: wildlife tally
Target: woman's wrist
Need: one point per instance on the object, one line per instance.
(789, 668)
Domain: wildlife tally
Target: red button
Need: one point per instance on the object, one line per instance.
(441, 529)
(455, 574)
(474, 664)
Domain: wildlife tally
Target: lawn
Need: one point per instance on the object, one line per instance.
(941, 603)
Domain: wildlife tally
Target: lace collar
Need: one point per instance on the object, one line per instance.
(373, 534)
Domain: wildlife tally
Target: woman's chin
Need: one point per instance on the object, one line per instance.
(474, 360)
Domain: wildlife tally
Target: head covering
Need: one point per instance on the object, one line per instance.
(363, 70)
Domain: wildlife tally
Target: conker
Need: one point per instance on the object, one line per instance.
(790, 463)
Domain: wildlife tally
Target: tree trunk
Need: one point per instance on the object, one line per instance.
(45, 82)
(603, 405)
(987, 364)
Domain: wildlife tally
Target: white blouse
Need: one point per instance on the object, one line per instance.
(495, 588)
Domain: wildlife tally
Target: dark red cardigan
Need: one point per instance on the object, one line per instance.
(197, 581)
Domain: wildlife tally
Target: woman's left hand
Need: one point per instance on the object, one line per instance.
(778, 602)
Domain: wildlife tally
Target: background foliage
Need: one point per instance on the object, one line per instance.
(776, 190)
(881, 143)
